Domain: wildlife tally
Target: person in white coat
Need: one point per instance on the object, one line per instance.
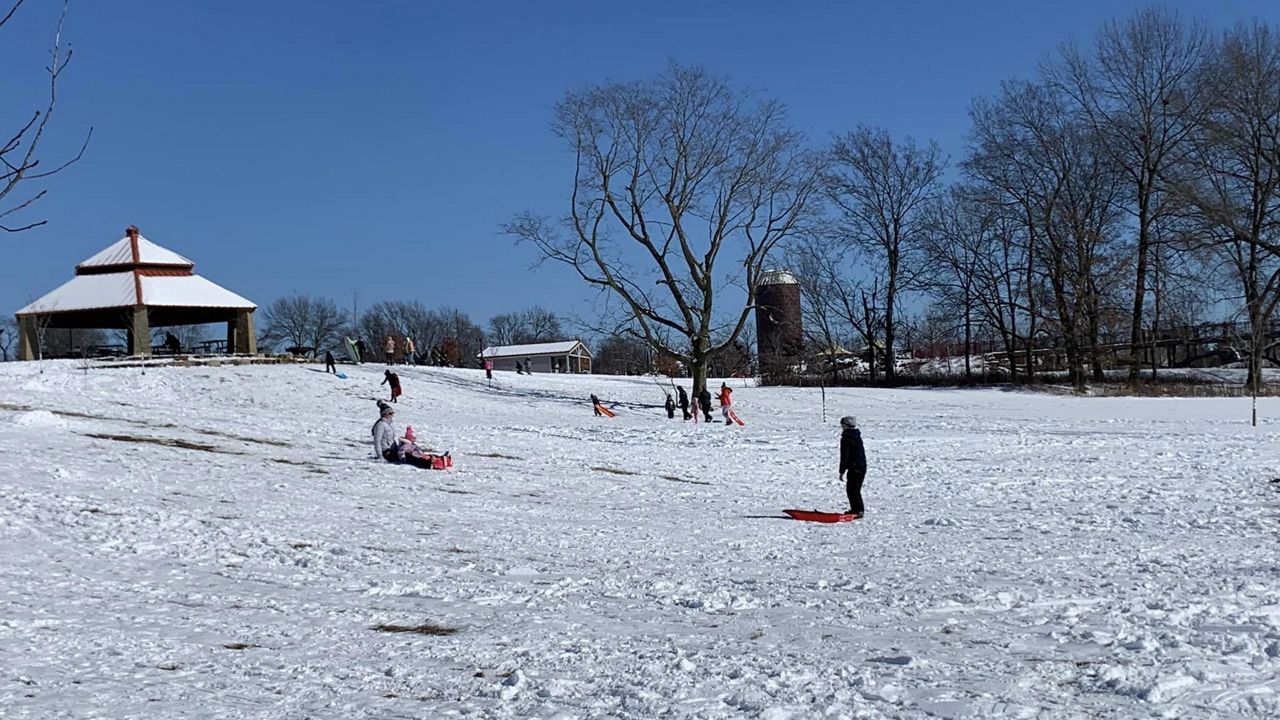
(385, 441)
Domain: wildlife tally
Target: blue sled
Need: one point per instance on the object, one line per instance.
(342, 376)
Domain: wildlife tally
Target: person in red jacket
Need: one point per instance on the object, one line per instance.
(394, 380)
(725, 402)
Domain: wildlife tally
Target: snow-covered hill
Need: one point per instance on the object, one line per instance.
(220, 542)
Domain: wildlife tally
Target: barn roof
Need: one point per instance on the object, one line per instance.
(553, 348)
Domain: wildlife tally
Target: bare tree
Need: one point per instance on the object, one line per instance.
(304, 321)
(1234, 182)
(881, 188)
(8, 336)
(623, 354)
(503, 328)
(839, 305)
(1139, 94)
(669, 174)
(19, 154)
(531, 325)
(956, 244)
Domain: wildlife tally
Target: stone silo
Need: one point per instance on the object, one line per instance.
(779, 331)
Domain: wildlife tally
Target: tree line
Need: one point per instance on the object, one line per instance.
(1127, 186)
(311, 325)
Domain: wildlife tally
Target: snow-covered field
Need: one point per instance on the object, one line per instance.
(1023, 555)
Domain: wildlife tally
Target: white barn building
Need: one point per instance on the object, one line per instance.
(569, 356)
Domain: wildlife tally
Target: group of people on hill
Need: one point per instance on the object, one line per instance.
(394, 449)
(724, 397)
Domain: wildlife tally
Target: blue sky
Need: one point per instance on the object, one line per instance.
(376, 147)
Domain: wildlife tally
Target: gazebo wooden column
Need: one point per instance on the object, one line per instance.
(28, 337)
(241, 337)
(139, 331)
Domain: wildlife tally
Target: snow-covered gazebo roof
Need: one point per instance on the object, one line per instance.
(554, 348)
(135, 272)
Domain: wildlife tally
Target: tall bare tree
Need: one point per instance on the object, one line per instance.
(671, 174)
(955, 248)
(20, 152)
(1234, 184)
(840, 306)
(1139, 93)
(882, 188)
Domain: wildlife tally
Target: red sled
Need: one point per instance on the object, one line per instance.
(440, 462)
(734, 417)
(819, 516)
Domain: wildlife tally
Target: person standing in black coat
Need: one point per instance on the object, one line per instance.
(853, 462)
(671, 407)
(684, 401)
(704, 399)
(329, 365)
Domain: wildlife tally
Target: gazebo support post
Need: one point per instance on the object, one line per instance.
(139, 332)
(28, 337)
(241, 338)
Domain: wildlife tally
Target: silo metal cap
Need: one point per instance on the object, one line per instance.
(777, 277)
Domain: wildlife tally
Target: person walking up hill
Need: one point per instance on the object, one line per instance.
(704, 399)
(684, 401)
(394, 380)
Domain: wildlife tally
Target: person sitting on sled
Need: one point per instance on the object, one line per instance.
(853, 463)
(394, 379)
(395, 450)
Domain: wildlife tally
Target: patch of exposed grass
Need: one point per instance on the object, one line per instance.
(100, 511)
(501, 456)
(232, 436)
(456, 549)
(238, 646)
(168, 442)
(423, 629)
(615, 471)
(456, 492)
(300, 545)
(310, 466)
(674, 478)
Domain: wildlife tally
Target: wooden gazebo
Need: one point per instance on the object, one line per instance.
(133, 285)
